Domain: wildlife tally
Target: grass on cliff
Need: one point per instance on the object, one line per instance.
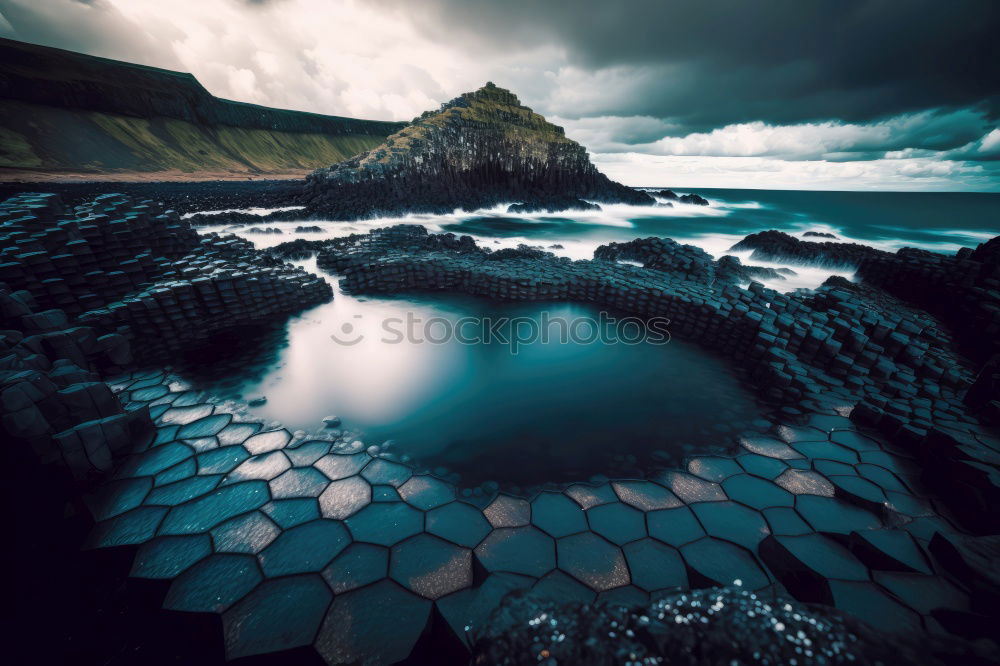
(48, 138)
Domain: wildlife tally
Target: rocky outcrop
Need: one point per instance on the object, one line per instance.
(91, 292)
(692, 198)
(963, 289)
(479, 150)
(779, 246)
(121, 266)
(818, 234)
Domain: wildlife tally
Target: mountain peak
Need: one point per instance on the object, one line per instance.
(480, 149)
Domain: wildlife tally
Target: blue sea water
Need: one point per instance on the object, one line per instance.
(554, 411)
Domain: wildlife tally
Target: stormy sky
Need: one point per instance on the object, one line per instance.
(817, 94)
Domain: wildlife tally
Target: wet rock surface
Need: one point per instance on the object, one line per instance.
(479, 150)
(779, 246)
(871, 490)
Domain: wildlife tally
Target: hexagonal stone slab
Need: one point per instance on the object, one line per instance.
(617, 522)
(716, 562)
(769, 448)
(250, 533)
(358, 565)
(135, 526)
(264, 467)
(355, 629)
(587, 495)
(867, 601)
(858, 491)
(645, 495)
(300, 601)
(340, 466)
(426, 492)
(654, 565)
(561, 586)
(521, 550)
(431, 567)
(117, 497)
(214, 584)
(827, 451)
(756, 492)
(674, 526)
(182, 491)
(299, 482)
(185, 415)
(386, 523)
(204, 513)
(267, 441)
(237, 433)
(804, 564)
(507, 511)
(762, 466)
(593, 561)
(805, 482)
(206, 427)
(732, 521)
(557, 514)
(459, 523)
(691, 488)
(829, 514)
(922, 593)
(166, 557)
(291, 512)
(386, 472)
(889, 550)
(304, 548)
(221, 460)
(307, 453)
(785, 521)
(343, 498)
(713, 468)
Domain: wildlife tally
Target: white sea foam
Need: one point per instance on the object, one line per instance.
(620, 221)
(252, 211)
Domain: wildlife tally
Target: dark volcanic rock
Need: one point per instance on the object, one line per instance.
(708, 626)
(778, 246)
(266, 230)
(551, 205)
(667, 194)
(479, 150)
(818, 234)
(693, 199)
(130, 268)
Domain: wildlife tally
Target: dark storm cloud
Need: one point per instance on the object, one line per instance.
(708, 64)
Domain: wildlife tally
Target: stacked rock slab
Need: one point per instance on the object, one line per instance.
(53, 405)
(111, 284)
(115, 263)
(859, 345)
(479, 150)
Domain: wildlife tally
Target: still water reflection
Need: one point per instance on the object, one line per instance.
(553, 412)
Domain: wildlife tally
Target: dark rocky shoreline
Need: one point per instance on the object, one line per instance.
(872, 490)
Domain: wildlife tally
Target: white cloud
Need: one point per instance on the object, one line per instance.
(990, 144)
(910, 174)
(368, 60)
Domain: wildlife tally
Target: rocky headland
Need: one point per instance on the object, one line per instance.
(479, 150)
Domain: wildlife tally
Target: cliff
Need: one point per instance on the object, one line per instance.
(479, 150)
(65, 111)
